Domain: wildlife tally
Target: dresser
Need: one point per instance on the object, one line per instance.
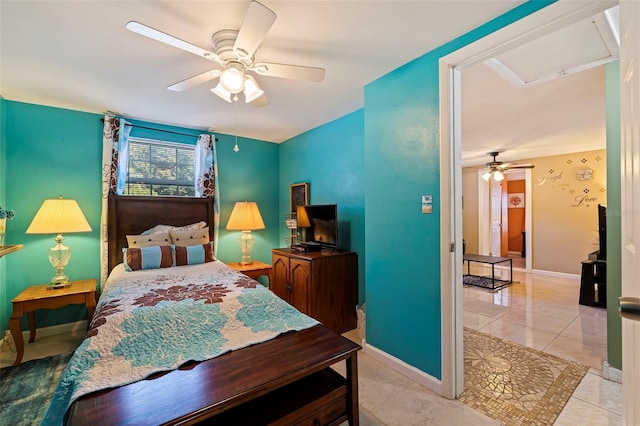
(323, 285)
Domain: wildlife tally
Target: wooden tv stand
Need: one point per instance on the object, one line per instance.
(321, 284)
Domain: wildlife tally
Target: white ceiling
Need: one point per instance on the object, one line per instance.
(78, 55)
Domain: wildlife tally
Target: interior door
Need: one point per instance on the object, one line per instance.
(495, 217)
(630, 202)
(504, 220)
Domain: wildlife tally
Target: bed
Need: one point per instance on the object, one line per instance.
(285, 379)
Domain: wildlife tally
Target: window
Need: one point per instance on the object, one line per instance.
(160, 168)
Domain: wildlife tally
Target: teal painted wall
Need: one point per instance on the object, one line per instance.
(330, 158)
(3, 187)
(614, 208)
(250, 174)
(401, 163)
(52, 151)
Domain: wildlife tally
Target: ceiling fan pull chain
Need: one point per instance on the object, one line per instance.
(235, 106)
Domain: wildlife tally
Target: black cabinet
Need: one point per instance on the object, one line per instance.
(593, 283)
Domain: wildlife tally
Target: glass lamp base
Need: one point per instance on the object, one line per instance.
(246, 244)
(59, 256)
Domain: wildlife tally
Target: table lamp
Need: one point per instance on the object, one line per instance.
(245, 217)
(58, 216)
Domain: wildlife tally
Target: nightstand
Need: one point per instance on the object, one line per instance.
(44, 297)
(253, 270)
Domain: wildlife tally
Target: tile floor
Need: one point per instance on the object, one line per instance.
(540, 311)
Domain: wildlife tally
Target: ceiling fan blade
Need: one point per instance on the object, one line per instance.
(194, 81)
(296, 72)
(519, 166)
(262, 101)
(257, 22)
(165, 38)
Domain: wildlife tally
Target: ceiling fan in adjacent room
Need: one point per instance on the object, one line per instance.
(496, 168)
(233, 53)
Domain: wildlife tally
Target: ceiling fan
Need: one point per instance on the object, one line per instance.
(497, 167)
(234, 54)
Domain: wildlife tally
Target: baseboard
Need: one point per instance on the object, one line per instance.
(556, 274)
(403, 368)
(46, 332)
(611, 373)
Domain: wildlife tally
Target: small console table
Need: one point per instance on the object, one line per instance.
(488, 260)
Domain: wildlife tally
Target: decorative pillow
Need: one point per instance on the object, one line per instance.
(190, 238)
(167, 228)
(152, 257)
(158, 239)
(324, 231)
(193, 255)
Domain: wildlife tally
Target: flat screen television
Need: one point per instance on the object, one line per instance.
(318, 224)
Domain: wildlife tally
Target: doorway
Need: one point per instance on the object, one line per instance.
(483, 245)
(551, 18)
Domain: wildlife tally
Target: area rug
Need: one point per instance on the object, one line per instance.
(485, 282)
(514, 384)
(26, 389)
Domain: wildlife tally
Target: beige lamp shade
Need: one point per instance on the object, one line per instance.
(245, 216)
(59, 216)
(303, 217)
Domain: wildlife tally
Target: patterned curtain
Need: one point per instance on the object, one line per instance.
(115, 160)
(207, 178)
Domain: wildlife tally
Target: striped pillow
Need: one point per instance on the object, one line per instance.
(152, 257)
(193, 255)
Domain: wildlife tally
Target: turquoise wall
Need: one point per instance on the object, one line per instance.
(3, 188)
(330, 158)
(614, 208)
(52, 151)
(401, 163)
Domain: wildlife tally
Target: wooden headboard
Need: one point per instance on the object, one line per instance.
(132, 215)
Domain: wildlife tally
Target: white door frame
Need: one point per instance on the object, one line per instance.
(545, 21)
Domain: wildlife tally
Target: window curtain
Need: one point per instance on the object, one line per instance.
(115, 160)
(206, 178)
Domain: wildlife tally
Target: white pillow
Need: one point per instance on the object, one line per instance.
(157, 239)
(167, 228)
(190, 238)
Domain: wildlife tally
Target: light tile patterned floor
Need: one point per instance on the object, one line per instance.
(541, 312)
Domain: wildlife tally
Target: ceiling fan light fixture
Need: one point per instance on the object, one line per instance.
(222, 92)
(251, 89)
(498, 176)
(232, 78)
(486, 176)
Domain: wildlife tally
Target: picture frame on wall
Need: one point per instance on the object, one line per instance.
(298, 196)
(516, 200)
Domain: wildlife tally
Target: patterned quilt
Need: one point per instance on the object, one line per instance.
(156, 320)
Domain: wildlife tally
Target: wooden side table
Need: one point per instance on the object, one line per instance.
(253, 270)
(44, 297)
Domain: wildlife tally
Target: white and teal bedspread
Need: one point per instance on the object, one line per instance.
(156, 320)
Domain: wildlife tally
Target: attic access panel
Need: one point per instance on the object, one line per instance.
(577, 47)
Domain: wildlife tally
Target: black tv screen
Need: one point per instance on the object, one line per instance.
(319, 224)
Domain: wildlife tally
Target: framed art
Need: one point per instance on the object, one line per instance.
(298, 195)
(516, 200)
